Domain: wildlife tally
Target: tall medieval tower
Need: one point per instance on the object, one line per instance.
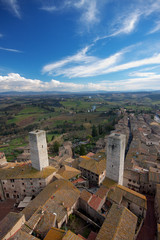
(115, 157)
(38, 149)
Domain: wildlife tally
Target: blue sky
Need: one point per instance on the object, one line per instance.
(79, 45)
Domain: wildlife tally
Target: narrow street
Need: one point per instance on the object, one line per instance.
(149, 228)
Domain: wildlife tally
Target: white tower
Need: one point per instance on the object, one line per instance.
(38, 149)
(115, 157)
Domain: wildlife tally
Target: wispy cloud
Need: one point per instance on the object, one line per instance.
(13, 7)
(80, 57)
(10, 50)
(89, 10)
(84, 65)
(14, 81)
(156, 28)
(125, 25)
(49, 8)
(1, 35)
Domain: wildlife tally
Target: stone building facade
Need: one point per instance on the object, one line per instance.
(38, 149)
(23, 181)
(115, 157)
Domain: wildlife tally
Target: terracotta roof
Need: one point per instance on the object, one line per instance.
(79, 180)
(56, 197)
(8, 222)
(68, 172)
(102, 192)
(109, 183)
(20, 235)
(94, 166)
(25, 171)
(71, 236)
(55, 233)
(95, 202)
(119, 192)
(119, 224)
(45, 223)
(85, 195)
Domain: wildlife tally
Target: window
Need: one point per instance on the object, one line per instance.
(7, 195)
(12, 185)
(12, 180)
(134, 181)
(3, 182)
(22, 183)
(39, 183)
(14, 191)
(31, 183)
(17, 196)
(129, 180)
(24, 190)
(4, 188)
(33, 191)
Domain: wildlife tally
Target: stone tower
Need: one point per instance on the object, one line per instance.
(38, 149)
(115, 157)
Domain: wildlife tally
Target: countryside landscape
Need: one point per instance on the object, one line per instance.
(66, 117)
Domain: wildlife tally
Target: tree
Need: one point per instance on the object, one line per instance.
(55, 148)
(100, 129)
(82, 150)
(94, 131)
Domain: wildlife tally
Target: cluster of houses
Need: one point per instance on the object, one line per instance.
(48, 196)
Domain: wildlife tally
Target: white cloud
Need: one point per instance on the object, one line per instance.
(122, 25)
(134, 64)
(155, 29)
(15, 82)
(142, 74)
(89, 10)
(49, 8)
(13, 7)
(80, 57)
(10, 50)
(83, 65)
(1, 35)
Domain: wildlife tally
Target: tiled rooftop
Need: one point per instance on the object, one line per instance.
(55, 233)
(119, 192)
(93, 165)
(102, 192)
(85, 195)
(20, 235)
(109, 183)
(68, 172)
(54, 198)
(9, 222)
(95, 202)
(24, 171)
(120, 224)
(71, 236)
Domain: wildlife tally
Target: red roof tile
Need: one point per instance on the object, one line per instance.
(95, 202)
